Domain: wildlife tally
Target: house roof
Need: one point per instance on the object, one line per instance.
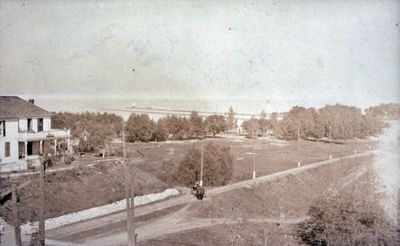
(15, 107)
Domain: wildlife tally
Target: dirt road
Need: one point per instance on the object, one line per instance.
(177, 222)
(387, 168)
(77, 230)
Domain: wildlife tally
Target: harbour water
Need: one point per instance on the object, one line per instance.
(248, 106)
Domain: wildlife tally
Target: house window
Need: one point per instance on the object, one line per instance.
(2, 128)
(40, 125)
(30, 125)
(7, 149)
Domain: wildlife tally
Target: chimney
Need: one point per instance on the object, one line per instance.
(31, 101)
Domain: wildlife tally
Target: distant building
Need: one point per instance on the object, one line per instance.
(25, 134)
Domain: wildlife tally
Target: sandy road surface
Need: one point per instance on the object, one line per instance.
(79, 227)
(177, 222)
(387, 168)
(77, 230)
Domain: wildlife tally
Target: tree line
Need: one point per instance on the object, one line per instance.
(139, 127)
(332, 121)
(95, 130)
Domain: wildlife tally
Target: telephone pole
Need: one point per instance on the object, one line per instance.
(201, 164)
(132, 206)
(330, 142)
(368, 138)
(17, 229)
(130, 197)
(298, 148)
(42, 203)
(254, 157)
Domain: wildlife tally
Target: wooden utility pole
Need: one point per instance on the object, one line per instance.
(17, 229)
(298, 148)
(42, 203)
(132, 207)
(330, 142)
(129, 194)
(201, 164)
(254, 157)
(368, 138)
(398, 216)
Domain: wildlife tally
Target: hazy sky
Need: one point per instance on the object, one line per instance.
(329, 51)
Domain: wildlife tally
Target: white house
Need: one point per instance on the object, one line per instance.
(25, 134)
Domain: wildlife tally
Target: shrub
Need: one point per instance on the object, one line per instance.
(353, 217)
(217, 168)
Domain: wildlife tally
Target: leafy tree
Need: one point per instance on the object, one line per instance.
(217, 167)
(372, 123)
(175, 127)
(351, 217)
(160, 132)
(139, 127)
(98, 137)
(186, 126)
(273, 122)
(320, 127)
(251, 127)
(390, 111)
(181, 127)
(100, 128)
(263, 123)
(231, 123)
(344, 122)
(297, 118)
(216, 124)
(197, 125)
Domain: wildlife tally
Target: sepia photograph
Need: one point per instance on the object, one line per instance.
(199, 123)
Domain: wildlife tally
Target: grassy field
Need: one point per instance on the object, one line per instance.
(291, 195)
(272, 155)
